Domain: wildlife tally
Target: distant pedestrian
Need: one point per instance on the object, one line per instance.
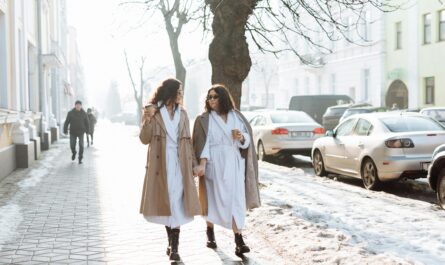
(77, 120)
(228, 170)
(395, 106)
(92, 120)
(169, 194)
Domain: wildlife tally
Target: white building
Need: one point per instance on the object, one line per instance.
(32, 37)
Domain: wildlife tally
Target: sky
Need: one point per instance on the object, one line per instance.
(106, 29)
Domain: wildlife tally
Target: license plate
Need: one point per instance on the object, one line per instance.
(425, 165)
(301, 134)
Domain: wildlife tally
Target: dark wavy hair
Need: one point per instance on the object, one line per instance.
(167, 92)
(225, 99)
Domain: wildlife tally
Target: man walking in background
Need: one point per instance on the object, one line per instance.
(77, 120)
(92, 121)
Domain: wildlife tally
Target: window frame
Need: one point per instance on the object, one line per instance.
(398, 31)
(427, 28)
(441, 25)
(428, 86)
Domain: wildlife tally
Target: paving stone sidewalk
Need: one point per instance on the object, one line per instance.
(60, 212)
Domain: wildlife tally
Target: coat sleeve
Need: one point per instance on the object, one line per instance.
(87, 123)
(146, 131)
(67, 122)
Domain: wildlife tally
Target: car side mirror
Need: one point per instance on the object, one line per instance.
(330, 133)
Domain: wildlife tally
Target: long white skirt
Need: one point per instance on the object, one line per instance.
(175, 193)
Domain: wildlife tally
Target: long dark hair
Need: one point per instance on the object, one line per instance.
(225, 99)
(166, 93)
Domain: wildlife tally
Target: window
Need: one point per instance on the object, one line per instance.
(442, 25)
(306, 85)
(291, 117)
(363, 128)
(427, 28)
(366, 84)
(429, 90)
(3, 63)
(346, 128)
(411, 124)
(366, 26)
(319, 82)
(398, 35)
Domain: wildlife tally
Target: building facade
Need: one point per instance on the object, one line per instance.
(414, 76)
(32, 77)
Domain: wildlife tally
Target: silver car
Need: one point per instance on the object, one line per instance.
(284, 132)
(379, 147)
(437, 113)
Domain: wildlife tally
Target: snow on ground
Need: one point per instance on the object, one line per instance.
(318, 220)
(16, 185)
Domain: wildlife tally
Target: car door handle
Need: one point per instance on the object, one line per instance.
(341, 144)
(361, 145)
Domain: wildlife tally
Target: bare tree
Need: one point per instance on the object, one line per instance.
(138, 88)
(176, 14)
(273, 26)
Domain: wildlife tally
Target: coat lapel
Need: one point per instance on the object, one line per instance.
(159, 119)
(220, 122)
(171, 125)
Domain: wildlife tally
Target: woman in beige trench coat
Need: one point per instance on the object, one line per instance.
(169, 194)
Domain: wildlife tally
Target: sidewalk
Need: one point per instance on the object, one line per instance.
(60, 212)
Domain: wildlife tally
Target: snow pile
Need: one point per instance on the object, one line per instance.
(10, 218)
(317, 220)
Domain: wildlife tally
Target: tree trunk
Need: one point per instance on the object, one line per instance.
(229, 51)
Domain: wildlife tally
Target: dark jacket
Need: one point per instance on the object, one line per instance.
(78, 122)
(92, 120)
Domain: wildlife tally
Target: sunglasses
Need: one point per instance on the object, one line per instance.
(212, 97)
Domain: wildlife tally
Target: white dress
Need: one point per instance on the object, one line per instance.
(225, 171)
(174, 175)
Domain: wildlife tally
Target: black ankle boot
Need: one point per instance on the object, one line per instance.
(169, 236)
(241, 247)
(211, 243)
(174, 245)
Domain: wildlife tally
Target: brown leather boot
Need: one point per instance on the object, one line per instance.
(241, 247)
(211, 243)
(174, 255)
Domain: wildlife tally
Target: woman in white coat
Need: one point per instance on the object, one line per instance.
(169, 194)
(222, 141)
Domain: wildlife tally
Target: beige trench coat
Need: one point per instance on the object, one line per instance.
(155, 199)
(200, 130)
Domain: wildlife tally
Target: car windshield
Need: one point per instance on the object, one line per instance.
(335, 111)
(411, 124)
(291, 117)
(438, 114)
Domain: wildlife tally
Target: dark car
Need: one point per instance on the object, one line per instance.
(359, 110)
(332, 116)
(316, 105)
(436, 174)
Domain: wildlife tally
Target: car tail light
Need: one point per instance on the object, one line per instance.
(280, 131)
(400, 143)
(320, 130)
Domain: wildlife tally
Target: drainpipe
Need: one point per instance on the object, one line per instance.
(40, 67)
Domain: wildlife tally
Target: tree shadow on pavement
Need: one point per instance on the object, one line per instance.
(226, 259)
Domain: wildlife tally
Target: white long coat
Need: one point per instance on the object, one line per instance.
(174, 175)
(225, 171)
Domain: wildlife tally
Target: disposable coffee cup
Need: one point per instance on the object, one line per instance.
(234, 133)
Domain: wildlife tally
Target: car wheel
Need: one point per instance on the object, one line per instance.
(318, 164)
(261, 153)
(370, 175)
(440, 189)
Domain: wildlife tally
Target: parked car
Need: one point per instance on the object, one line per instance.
(284, 132)
(333, 114)
(436, 174)
(360, 110)
(379, 147)
(316, 105)
(437, 113)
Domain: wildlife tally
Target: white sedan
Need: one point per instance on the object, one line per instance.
(284, 132)
(379, 147)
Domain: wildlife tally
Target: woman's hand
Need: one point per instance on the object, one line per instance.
(199, 171)
(148, 113)
(237, 135)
